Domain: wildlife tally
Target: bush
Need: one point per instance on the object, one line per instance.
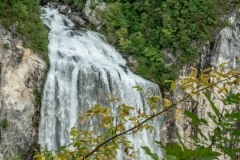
(27, 14)
(144, 28)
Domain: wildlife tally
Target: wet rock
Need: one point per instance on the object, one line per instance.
(76, 17)
(92, 12)
(63, 9)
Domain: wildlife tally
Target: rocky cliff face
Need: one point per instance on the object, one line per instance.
(87, 15)
(224, 48)
(21, 73)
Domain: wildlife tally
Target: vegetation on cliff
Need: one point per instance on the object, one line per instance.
(26, 14)
(145, 28)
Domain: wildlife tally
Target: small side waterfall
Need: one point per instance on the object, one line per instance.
(84, 70)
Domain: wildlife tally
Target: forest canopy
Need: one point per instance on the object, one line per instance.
(148, 28)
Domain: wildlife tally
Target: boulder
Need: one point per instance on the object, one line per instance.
(76, 17)
(92, 12)
(63, 9)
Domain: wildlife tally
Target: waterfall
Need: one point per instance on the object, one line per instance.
(84, 69)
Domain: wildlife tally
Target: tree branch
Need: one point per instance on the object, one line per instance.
(153, 116)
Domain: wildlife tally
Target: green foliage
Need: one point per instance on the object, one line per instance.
(27, 15)
(222, 137)
(4, 123)
(77, 1)
(148, 152)
(6, 46)
(221, 134)
(38, 96)
(143, 28)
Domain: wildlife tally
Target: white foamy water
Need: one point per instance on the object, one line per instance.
(84, 69)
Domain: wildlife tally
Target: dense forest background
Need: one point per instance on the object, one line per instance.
(145, 28)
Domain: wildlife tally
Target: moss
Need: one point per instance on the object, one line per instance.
(6, 46)
(4, 123)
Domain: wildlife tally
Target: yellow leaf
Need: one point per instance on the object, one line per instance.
(136, 123)
(146, 126)
(179, 117)
(133, 119)
(112, 99)
(134, 131)
(120, 127)
(230, 83)
(143, 115)
(139, 89)
(179, 103)
(151, 129)
(194, 72)
(133, 155)
(127, 144)
(83, 118)
(222, 64)
(236, 82)
(195, 105)
(196, 93)
(221, 89)
(104, 125)
(154, 110)
(173, 83)
(207, 70)
(39, 157)
(178, 110)
(57, 158)
(167, 103)
(107, 119)
(226, 90)
(106, 111)
(111, 95)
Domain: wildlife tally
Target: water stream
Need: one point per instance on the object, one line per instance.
(84, 69)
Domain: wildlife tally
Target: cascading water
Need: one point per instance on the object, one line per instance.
(84, 69)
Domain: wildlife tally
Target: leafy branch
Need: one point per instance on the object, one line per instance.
(89, 143)
(157, 114)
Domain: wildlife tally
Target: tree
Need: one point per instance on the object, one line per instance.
(104, 146)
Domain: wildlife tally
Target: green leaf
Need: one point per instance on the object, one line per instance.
(133, 118)
(236, 133)
(148, 152)
(173, 149)
(173, 83)
(231, 98)
(193, 116)
(233, 115)
(139, 89)
(179, 138)
(207, 94)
